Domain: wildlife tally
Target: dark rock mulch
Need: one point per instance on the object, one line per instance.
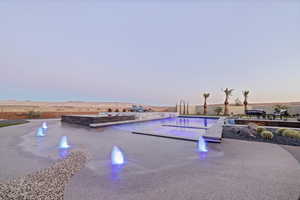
(248, 133)
(4, 123)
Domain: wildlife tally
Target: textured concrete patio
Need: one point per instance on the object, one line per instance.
(156, 168)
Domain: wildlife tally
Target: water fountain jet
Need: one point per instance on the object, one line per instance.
(40, 132)
(117, 156)
(64, 143)
(44, 125)
(202, 145)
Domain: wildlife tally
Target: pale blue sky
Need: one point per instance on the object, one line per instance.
(153, 53)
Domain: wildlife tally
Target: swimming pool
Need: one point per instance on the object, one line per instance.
(178, 127)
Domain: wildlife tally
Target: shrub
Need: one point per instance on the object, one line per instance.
(218, 110)
(260, 129)
(288, 132)
(297, 136)
(281, 130)
(33, 114)
(291, 133)
(267, 134)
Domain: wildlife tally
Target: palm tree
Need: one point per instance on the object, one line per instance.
(205, 95)
(246, 94)
(187, 107)
(180, 107)
(228, 93)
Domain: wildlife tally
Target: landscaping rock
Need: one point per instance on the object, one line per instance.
(249, 133)
(46, 184)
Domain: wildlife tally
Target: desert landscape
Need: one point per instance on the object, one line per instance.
(12, 109)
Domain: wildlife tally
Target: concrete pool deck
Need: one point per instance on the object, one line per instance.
(156, 168)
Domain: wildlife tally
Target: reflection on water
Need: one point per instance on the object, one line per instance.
(116, 172)
(205, 122)
(63, 153)
(40, 143)
(182, 132)
(202, 155)
(157, 126)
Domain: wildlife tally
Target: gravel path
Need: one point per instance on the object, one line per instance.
(45, 184)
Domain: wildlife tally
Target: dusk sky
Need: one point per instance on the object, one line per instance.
(152, 53)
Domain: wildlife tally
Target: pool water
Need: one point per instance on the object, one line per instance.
(178, 126)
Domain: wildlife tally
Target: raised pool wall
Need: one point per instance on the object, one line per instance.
(87, 120)
(115, 118)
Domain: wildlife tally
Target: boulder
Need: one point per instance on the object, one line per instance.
(247, 131)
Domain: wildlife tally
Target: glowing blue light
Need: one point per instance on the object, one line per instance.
(116, 172)
(44, 125)
(63, 153)
(202, 145)
(205, 122)
(117, 157)
(64, 143)
(40, 132)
